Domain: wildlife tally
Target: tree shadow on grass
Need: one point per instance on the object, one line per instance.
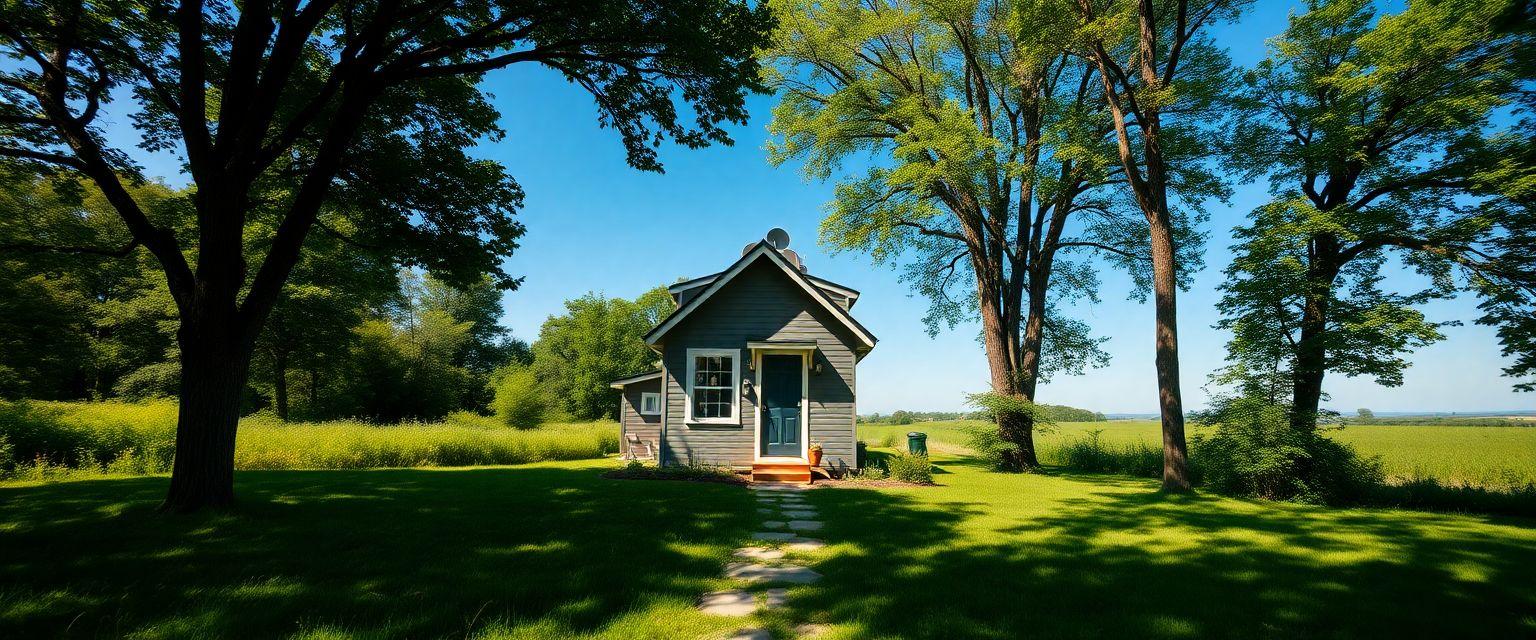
(382, 553)
(1104, 557)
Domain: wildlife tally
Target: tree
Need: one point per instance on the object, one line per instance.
(992, 169)
(597, 340)
(1381, 139)
(312, 327)
(368, 106)
(79, 324)
(1366, 415)
(1162, 78)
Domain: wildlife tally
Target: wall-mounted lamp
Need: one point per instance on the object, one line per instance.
(816, 369)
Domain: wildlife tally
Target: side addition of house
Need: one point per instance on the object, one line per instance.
(757, 364)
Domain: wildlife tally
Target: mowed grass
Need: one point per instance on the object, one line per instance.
(990, 555)
(552, 550)
(1489, 457)
(541, 551)
(54, 438)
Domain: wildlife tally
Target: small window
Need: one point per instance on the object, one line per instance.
(713, 376)
(650, 404)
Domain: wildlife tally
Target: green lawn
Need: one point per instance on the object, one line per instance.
(552, 550)
(1494, 457)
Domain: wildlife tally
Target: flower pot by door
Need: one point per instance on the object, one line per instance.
(815, 457)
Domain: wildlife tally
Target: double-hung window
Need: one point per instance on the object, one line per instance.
(713, 377)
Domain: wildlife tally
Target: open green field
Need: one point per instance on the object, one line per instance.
(1492, 457)
(551, 550)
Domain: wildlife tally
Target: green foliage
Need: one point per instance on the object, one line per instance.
(73, 324)
(1255, 451)
(989, 445)
(598, 340)
(906, 467)
(47, 439)
(1381, 136)
(1092, 454)
(988, 137)
(637, 470)
(520, 402)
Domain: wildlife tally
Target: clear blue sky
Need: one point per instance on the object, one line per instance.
(594, 224)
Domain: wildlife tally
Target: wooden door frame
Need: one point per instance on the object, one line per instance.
(805, 404)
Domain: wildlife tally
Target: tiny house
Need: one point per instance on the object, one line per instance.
(757, 364)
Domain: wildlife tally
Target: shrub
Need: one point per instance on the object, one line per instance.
(1255, 451)
(1092, 455)
(520, 401)
(988, 444)
(637, 470)
(906, 467)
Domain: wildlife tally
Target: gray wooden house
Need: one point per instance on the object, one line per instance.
(757, 363)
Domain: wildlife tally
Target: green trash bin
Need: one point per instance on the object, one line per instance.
(917, 443)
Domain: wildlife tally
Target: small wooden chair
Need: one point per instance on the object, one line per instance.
(636, 445)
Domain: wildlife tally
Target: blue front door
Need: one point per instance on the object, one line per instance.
(781, 386)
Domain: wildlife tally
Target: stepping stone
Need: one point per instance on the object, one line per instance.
(769, 512)
(728, 603)
(775, 598)
(751, 634)
(767, 573)
(805, 525)
(780, 536)
(758, 553)
(804, 544)
(765, 486)
(798, 513)
(775, 524)
(811, 629)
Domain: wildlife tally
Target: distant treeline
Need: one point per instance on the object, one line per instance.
(1442, 421)
(1052, 412)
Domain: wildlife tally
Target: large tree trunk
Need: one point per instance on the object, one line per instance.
(1311, 363)
(1012, 427)
(1170, 399)
(214, 366)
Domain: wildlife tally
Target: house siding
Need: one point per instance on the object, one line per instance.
(760, 304)
(630, 418)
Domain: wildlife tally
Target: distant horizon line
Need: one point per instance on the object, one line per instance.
(1137, 414)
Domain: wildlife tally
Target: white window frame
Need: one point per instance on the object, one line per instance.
(654, 397)
(735, 356)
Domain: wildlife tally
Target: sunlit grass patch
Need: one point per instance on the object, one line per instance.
(57, 440)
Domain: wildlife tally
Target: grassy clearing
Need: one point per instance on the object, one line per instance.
(48, 439)
(1497, 458)
(552, 550)
(537, 551)
(990, 555)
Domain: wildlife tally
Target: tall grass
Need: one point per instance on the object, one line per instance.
(46, 439)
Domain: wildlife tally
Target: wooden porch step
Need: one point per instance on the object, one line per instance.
(781, 472)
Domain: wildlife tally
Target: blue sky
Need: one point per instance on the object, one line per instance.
(594, 224)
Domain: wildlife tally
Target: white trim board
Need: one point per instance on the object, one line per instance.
(805, 404)
(735, 387)
(822, 283)
(763, 249)
(621, 382)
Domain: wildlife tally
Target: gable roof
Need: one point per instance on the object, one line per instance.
(762, 250)
(822, 283)
(654, 374)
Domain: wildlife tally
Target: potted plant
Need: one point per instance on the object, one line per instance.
(815, 453)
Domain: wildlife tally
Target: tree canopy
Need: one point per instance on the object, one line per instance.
(1385, 138)
(352, 117)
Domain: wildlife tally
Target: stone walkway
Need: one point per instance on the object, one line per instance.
(790, 516)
